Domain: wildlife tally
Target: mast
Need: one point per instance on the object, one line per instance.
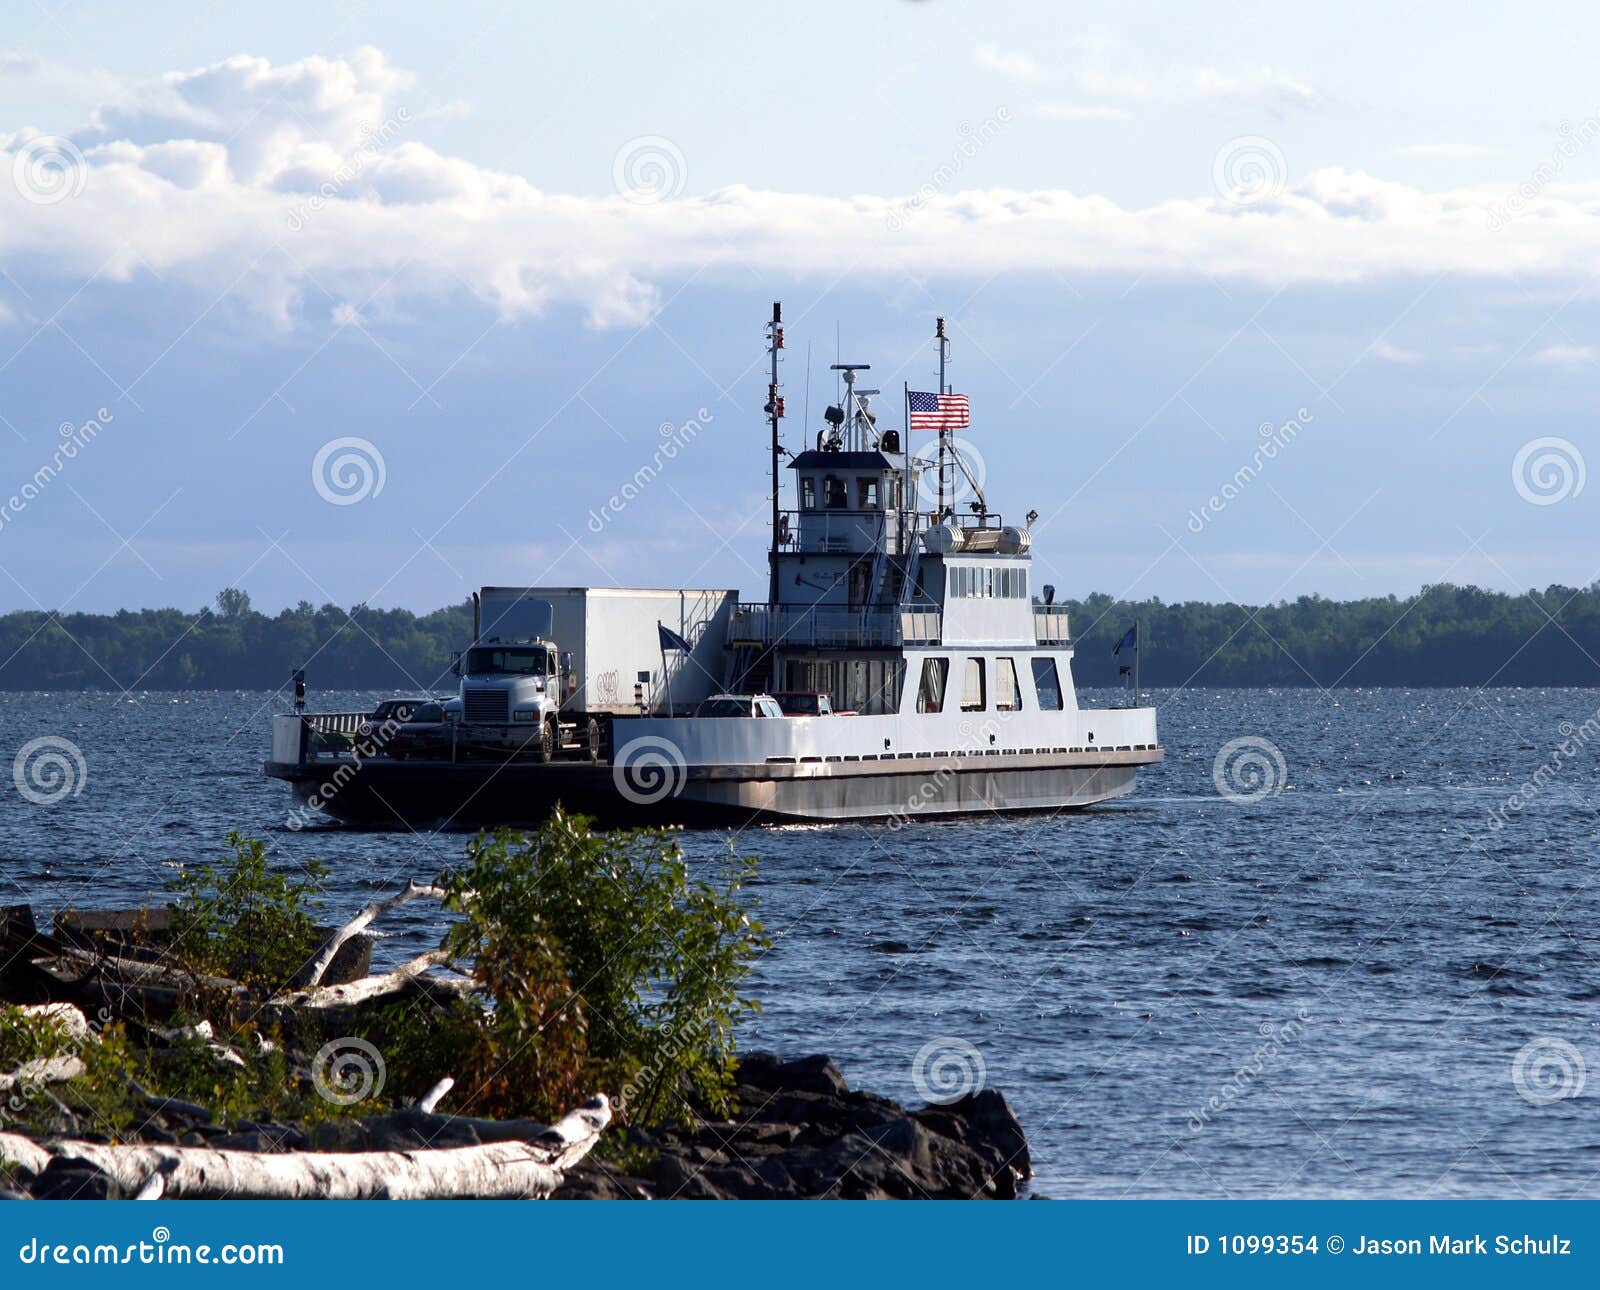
(774, 411)
(944, 354)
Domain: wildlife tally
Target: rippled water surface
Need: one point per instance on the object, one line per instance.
(1330, 990)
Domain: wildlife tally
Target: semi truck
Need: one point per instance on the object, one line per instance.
(550, 669)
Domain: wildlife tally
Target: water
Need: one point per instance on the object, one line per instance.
(1349, 966)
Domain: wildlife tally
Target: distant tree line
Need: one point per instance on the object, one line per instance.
(232, 647)
(1444, 635)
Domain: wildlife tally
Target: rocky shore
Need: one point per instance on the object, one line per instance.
(800, 1133)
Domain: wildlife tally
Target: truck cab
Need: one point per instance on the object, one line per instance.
(510, 696)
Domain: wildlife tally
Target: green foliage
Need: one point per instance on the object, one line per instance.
(1443, 635)
(245, 920)
(606, 966)
(610, 967)
(237, 648)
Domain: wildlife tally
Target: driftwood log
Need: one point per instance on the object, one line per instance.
(492, 1171)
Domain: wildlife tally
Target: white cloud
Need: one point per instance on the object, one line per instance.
(1258, 85)
(1080, 112)
(1008, 63)
(287, 185)
(1565, 355)
(1393, 353)
(1446, 151)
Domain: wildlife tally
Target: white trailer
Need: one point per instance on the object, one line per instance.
(550, 667)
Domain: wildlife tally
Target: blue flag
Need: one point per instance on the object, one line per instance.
(1131, 640)
(671, 640)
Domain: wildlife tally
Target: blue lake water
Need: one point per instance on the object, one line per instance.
(1354, 984)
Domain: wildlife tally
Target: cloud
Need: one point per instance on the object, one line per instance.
(300, 187)
(1276, 90)
(1015, 66)
(1393, 353)
(1080, 112)
(1565, 355)
(1446, 151)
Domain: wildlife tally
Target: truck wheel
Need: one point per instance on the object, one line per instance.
(546, 748)
(594, 739)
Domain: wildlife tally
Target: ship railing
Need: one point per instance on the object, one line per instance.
(1050, 627)
(336, 723)
(802, 627)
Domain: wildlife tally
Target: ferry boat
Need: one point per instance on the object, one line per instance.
(939, 673)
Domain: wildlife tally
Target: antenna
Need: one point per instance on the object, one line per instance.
(774, 411)
(943, 342)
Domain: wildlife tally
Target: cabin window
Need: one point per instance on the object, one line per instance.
(1007, 694)
(930, 694)
(972, 699)
(1022, 584)
(834, 497)
(866, 494)
(1046, 685)
(894, 493)
(808, 493)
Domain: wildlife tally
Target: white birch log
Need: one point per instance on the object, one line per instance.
(430, 1100)
(358, 924)
(375, 987)
(496, 1171)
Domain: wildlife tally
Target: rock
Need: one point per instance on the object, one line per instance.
(63, 1181)
(814, 1074)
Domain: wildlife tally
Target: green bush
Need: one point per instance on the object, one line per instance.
(244, 920)
(609, 967)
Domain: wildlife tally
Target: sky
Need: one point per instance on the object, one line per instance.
(349, 302)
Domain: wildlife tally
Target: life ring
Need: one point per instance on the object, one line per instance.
(783, 530)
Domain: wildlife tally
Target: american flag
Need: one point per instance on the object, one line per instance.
(938, 411)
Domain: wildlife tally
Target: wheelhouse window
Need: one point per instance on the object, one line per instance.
(808, 493)
(834, 496)
(972, 689)
(930, 694)
(866, 494)
(1046, 684)
(1007, 693)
